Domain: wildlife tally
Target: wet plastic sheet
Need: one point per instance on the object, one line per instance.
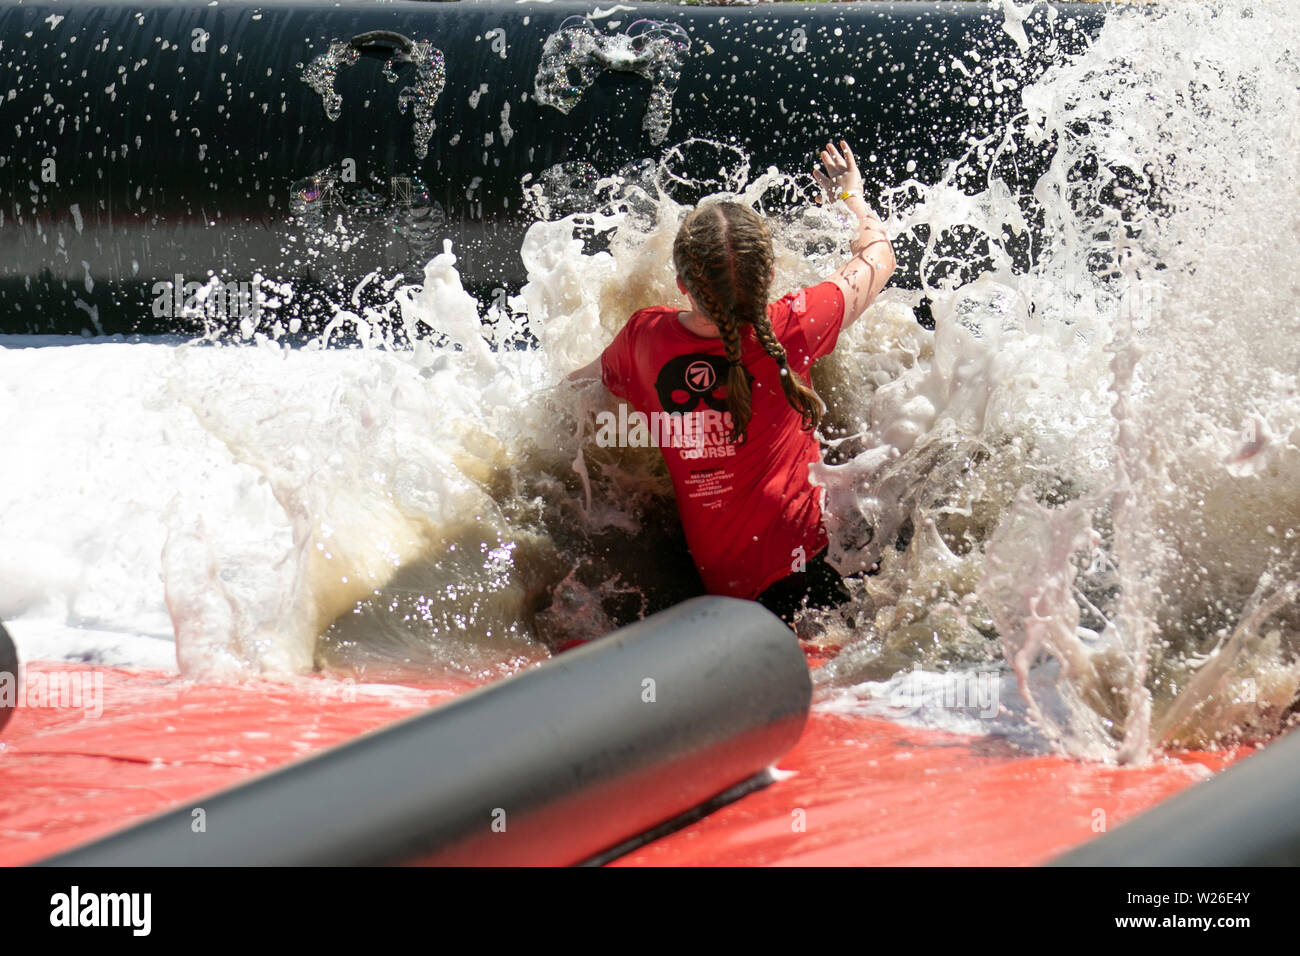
(67, 777)
(873, 793)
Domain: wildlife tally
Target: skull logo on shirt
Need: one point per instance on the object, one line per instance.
(688, 381)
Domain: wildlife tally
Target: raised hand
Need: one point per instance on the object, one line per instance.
(863, 277)
(841, 171)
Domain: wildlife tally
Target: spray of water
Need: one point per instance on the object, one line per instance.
(1099, 459)
(578, 52)
(1083, 479)
(322, 72)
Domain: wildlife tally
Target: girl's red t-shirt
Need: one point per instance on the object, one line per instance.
(749, 511)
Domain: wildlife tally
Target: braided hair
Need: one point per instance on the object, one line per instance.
(723, 253)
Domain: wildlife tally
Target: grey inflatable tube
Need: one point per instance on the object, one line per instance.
(8, 677)
(1246, 816)
(556, 765)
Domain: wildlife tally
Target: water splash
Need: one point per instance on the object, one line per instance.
(389, 225)
(1082, 479)
(995, 472)
(1138, 573)
(321, 74)
(430, 78)
(578, 52)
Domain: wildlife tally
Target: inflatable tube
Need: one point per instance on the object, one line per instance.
(9, 677)
(553, 766)
(161, 149)
(1246, 816)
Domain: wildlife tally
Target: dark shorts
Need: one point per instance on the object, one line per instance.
(817, 585)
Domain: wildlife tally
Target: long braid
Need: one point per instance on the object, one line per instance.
(724, 255)
(797, 392)
(701, 254)
(753, 253)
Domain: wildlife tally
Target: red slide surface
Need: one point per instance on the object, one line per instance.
(862, 791)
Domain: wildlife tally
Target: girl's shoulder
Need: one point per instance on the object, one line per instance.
(816, 296)
(652, 318)
(807, 321)
(820, 302)
(785, 311)
(655, 311)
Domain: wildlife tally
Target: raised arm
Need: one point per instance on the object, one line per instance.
(863, 277)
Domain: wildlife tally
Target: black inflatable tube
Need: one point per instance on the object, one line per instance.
(572, 757)
(1246, 816)
(9, 682)
(133, 158)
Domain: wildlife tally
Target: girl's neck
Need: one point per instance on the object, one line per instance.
(699, 325)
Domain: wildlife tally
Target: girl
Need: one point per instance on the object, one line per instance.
(731, 379)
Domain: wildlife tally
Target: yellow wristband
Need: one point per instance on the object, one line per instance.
(848, 194)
